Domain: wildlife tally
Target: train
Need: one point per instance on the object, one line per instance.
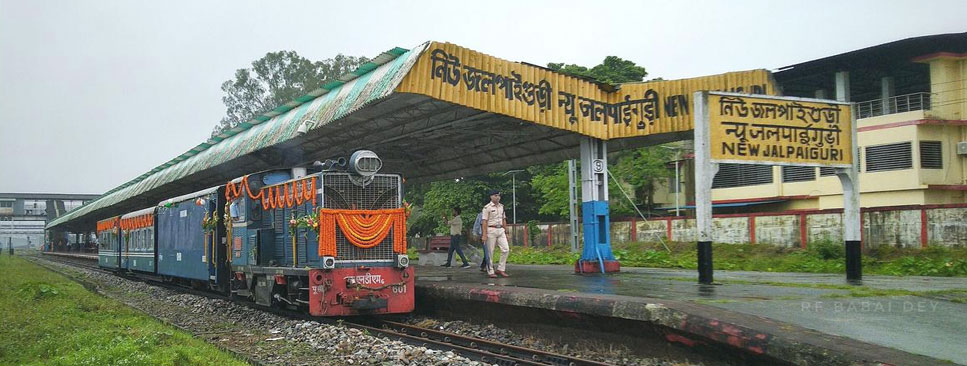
(328, 240)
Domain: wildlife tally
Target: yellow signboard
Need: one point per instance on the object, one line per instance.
(746, 129)
(462, 76)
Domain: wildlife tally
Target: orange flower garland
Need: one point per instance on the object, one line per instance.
(139, 222)
(234, 190)
(285, 195)
(363, 228)
(108, 224)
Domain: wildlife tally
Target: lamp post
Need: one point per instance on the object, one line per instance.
(513, 174)
(678, 186)
(678, 182)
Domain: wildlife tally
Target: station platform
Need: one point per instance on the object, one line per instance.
(794, 318)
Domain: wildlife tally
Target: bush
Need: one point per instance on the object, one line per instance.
(533, 231)
(827, 250)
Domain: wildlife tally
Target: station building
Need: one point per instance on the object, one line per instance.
(910, 101)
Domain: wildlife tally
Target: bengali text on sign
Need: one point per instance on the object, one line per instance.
(776, 130)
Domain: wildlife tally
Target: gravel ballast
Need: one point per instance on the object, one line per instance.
(264, 337)
(270, 339)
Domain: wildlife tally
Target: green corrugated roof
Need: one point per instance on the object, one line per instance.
(336, 99)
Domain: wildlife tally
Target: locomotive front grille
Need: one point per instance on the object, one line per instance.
(342, 191)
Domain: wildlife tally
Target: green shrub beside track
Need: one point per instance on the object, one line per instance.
(46, 319)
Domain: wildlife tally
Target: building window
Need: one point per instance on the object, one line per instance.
(798, 173)
(6, 204)
(827, 171)
(740, 175)
(889, 157)
(931, 156)
(672, 187)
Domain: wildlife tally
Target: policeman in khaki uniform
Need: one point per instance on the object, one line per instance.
(494, 222)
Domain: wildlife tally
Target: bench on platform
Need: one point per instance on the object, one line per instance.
(435, 253)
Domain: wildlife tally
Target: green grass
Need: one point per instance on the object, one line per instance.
(46, 319)
(822, 257)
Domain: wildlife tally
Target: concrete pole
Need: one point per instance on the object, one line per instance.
(678, 184)
(852, 219)
(887, 86)
(573, 204)
(705, 171)
(514, 189)
(842, 86)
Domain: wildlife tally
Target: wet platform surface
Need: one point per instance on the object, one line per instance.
(926, 323)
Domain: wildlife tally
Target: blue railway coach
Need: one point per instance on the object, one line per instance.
(108, 243)
(188, 238)
(138, 241)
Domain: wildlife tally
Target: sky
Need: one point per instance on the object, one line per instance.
(95, 93)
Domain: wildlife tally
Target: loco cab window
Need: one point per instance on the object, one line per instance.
(237, 211)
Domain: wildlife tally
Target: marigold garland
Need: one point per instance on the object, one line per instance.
(134, 223)
(234, 190)
(363, 228)
(285, 195)
(108, 224)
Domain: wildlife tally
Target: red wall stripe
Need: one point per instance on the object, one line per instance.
(923, 228)
(802, 231)
(751, 229)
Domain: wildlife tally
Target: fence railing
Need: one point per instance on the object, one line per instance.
(897, 104)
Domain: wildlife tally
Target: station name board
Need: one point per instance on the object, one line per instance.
(791, 131)
(462, 76)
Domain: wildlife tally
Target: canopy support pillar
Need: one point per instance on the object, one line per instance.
(597, 255)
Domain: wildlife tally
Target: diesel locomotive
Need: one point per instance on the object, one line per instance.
(330, 243)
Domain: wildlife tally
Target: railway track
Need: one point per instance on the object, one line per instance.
(477, 349)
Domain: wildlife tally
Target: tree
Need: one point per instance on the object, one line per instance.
(613, 70)
(275, 79)
(642, 168)
(550, 181)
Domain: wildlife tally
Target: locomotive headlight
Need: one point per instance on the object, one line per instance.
(365, 163)
(402, 261)
(328, 262)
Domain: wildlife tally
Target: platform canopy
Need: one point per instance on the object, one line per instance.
(433, 112)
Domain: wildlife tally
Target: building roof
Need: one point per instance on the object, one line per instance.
(868, 65)
(880, 57)
(371, 81)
